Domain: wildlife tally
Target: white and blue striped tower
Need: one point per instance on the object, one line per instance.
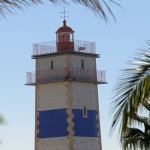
(66, 93)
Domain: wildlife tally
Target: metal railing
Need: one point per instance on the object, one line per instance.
(62, 74)
(51, 47)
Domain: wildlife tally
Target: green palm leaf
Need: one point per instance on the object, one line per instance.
(1, 120)
(135, 139)
(131, 92)
(7, 6)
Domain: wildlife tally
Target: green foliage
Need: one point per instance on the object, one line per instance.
(8, 6)
(132, 93)
(1, 120)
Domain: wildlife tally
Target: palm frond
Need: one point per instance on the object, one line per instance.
(1, 120)
(134, 139)
(7, 6)
(132, 89)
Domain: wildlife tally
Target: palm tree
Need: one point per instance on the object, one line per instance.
(1, 120)
(7, 6)
(132, 94)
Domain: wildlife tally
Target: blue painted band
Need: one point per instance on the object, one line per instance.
(52, 123)
(85, 126)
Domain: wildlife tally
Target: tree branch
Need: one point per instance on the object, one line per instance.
(140, 119)
(146, 105)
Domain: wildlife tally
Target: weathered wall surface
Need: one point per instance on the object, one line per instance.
(45, 63)
(51, 96)
(65, 61)
(86, 143)
(53, 144)
(84, 95)
(89, 62)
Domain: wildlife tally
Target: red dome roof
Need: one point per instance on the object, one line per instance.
(64, 28)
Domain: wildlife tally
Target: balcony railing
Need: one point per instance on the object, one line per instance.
(50, 47)
(62, 74)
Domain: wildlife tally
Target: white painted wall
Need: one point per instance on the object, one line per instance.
(66, 60)
(84, 95)
(89, 62)
(51, 96)
(45, 63)
(53, 144)
(86, 143)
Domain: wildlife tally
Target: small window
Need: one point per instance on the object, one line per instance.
(52, 65)
(84, 112)
(82, 64)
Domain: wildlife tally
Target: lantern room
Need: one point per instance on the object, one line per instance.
(65, 38)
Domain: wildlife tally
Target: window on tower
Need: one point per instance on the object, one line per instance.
(84, 112)
(82, 64)
(52, 65)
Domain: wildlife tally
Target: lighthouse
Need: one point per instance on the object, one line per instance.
(66, 93)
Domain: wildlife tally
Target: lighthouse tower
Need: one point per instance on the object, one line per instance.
(66, 93)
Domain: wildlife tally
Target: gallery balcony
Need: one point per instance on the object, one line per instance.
(66, 74)
(53, 47)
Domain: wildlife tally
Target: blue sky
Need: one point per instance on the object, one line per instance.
(116, 42)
